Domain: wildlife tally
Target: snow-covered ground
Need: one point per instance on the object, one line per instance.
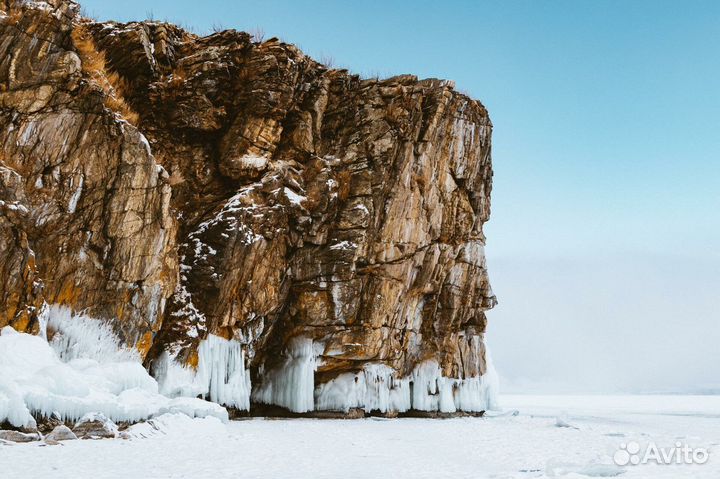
(552, 436)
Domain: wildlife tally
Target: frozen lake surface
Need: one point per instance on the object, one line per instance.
(551, 436)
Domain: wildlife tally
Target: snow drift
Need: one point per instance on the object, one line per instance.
(81, 370)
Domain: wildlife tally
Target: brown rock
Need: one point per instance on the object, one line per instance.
(303, 201)
(17, 436)
(60, 433)
(94, 426)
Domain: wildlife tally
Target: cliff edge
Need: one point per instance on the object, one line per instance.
(262, 229)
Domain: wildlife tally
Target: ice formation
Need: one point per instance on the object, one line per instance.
(221, 375)
(379, 388)
(79, 336)
(79, 372)
(82, 370)
(375, 388)
(291, 385)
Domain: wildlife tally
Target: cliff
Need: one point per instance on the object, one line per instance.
(261, 228)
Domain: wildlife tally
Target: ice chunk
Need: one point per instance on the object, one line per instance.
(194, 407)
(562, 420)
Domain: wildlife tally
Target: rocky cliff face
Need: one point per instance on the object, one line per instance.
(260, 227)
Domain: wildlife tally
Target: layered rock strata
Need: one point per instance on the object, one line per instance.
(263, 229)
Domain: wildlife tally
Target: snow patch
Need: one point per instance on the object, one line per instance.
(293, 197)
(362, 208)
(253, 162)
(344, 245)
(15, 206)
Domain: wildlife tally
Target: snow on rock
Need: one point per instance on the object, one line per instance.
(194, 407)
(61, 433)
(78, 373)
(72, 204)
(174, 424)
(253, 162)
(17, 436)
(343, 245)
(293, 197)
(95, 426)
(221, 375)
(291, 385)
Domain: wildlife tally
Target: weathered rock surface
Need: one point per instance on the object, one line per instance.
(61, 433)
(330, 226)
(17, 436)
(94, 426)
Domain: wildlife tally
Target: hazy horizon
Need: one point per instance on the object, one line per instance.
(603, 241)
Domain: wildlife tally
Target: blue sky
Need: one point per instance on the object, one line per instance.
(606, 152)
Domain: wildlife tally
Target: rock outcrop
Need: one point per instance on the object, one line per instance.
(95, 426)
(60, 433)
(260, 227)
(17, 436)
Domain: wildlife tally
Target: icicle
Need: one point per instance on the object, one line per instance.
(341, 393)
(292, 384)
(221, 375)
(80, 336)
(221, 368)
(378, 388)
(491, 383)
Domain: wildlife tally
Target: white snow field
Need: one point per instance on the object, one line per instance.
(552, 436)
